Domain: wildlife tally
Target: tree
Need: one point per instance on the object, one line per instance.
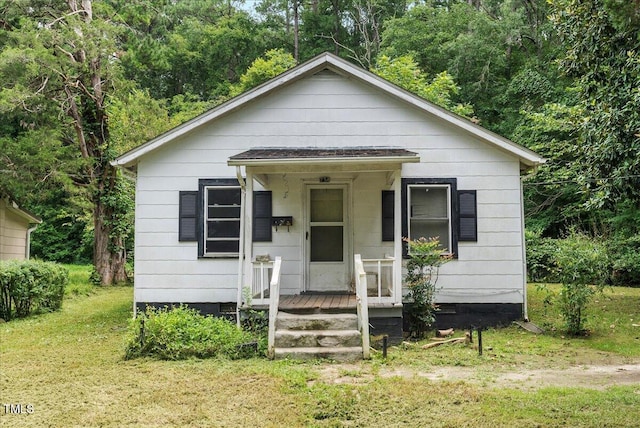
(483, 48)
(194, 48)
(64, 55)
(274, 62)
(404, 72)
(425, 259)
(582, 267)
(601, 39)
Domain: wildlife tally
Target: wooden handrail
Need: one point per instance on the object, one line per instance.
(362, 304)
(274, 301)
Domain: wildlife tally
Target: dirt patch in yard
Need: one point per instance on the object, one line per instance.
(583, 376)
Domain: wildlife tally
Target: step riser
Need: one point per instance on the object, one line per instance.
(321, 335)
(336, 354)
(323, 339)
(317, 322)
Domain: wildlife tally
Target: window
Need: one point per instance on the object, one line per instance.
(222, 220)
(429, 208)
(211, 217)
(433, 207)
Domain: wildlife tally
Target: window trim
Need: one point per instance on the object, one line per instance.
(203, 186)
(452, 185)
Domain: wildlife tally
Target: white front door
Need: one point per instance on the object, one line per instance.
(327, 238)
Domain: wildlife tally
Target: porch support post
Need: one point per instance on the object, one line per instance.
(248, 232)
(397, 233)
(243, 198)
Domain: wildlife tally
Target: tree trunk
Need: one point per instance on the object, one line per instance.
(109, 255)
(91, 125)
(296, 32)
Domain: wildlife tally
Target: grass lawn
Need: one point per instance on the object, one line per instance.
(68, 366)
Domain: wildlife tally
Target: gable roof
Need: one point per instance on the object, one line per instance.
(12, 206)
(327, 61)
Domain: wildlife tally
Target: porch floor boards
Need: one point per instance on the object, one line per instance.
(321, 302)
(318, 301)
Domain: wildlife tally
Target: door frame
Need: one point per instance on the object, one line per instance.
(346, 185)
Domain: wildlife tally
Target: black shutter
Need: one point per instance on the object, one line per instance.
(388, 202)
(188, 214)
(262, 216)
(468, 219)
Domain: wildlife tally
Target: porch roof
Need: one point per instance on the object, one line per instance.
(304, 156)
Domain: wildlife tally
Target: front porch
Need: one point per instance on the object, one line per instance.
(335, 325)
(317, 209)
(321, 233)
(382, 290)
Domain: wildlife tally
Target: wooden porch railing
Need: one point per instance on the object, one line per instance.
(262, 273)
(274, 301)
(382, 273)
(362, 304)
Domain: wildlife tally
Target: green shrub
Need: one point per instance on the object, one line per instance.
(179, 333)
(30, 286)
(541, 257)
(625, 260)
(425, 259)
(583, 269)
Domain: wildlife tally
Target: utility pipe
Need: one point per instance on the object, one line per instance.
(243, 197)
(525, 311)
(27, 250)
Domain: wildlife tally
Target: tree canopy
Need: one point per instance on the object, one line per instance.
(83, 81)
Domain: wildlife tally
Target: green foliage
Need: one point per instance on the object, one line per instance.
(425, 259)
(482, 48)
(79, 280)
(30, 286)
(600, 38)
(624, 245)
(273, 63)
(65, 235)
(582, 269)
(540, 257)
(194, 47)
(179, 333)
(625, 256)
(405, 72)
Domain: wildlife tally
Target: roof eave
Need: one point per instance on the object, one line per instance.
(13, 207)
(316, 161)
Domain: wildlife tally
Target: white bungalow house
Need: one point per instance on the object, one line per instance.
(16, 226)
(322, 165)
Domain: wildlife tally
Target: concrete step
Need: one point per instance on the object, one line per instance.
(342, 321)
(317, 338)
(342, 354)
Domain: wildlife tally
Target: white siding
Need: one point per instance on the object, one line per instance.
(13, 234)
(326, 110)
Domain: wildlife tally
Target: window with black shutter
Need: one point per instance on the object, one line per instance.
(262, 216)
(430, 210)
(211, 216)
(468, 223)
(188, 214)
